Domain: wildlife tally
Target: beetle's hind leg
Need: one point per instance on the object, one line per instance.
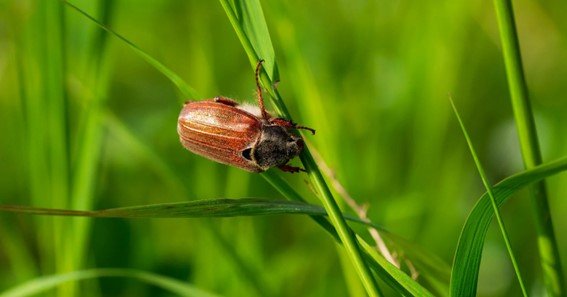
(291, 125)
(290, 169)
(265, 114)
(225, 101)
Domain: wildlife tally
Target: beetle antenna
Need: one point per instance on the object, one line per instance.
(305, 128)
(259, 91)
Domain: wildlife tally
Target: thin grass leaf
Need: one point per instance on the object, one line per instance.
(492, 201)
(466, 264)
(190, 209)
(247, 19)
(45, 283)
(251, 19)
(187, 91)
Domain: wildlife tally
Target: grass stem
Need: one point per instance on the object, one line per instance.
(548, 251)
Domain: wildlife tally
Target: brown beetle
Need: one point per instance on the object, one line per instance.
(245, 136)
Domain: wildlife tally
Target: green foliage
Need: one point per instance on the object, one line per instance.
(469, 250)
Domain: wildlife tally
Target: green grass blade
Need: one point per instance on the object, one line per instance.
(247, 19)
(187, 91)
(492, 201)
(191, 209)
(547, 243)
(250, 16)
(45, 283)
(346, 235)
(466, 263)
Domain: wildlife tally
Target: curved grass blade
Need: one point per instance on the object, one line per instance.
(186, 90)
(488, 187)
(466, 263)
(45, 283)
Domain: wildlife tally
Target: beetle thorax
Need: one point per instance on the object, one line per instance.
(276, 146)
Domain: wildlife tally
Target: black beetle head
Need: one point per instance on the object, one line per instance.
(276, 147)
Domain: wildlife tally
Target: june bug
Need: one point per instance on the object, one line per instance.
(241, 135)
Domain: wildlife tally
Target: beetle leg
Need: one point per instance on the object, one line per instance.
(265, 115)
(289, 124)
(291, 169)
(226, 101)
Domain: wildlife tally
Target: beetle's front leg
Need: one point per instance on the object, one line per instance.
(289, 124)
(290, 169)
(226, 101)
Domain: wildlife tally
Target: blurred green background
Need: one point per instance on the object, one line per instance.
(87, 124)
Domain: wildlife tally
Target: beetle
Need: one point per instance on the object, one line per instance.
(241, 135)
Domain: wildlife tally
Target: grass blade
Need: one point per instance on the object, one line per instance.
(45, 283)
(250, 16)
(191, 209)
(464, 277)
(547, 243)
(247, 19)
(492, 201)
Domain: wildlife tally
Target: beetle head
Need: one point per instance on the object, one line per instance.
(276, 147)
